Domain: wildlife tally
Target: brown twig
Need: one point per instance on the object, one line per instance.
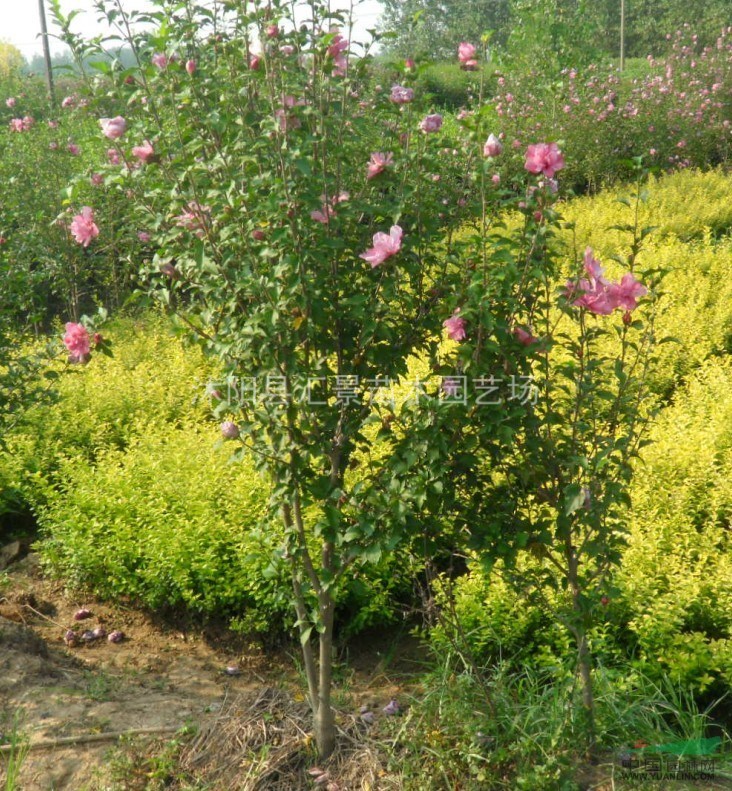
(45, 744)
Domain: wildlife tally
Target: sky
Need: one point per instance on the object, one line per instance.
(19, 23)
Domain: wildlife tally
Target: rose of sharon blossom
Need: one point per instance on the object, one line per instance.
(466, 56)
(288, 120)
(145, 152)
(83, 228)
(455, 327)
(113, 156)
(73, 149)
(336, 50)
(327, 211)
(601, 297)
(69, 101)
(401, 95)
(10, 101)
(628, 291)
(143, 236)
(431, 123)
(160, 60)
(524, 336)
(113, 128)
(385, 246)
(492, 147)
(16, 125)
(194, 218)
(77, 342)
(544, 158)
(379, 162)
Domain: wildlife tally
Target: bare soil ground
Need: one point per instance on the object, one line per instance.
(154, 683)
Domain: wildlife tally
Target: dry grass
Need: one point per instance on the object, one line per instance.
(262, 741)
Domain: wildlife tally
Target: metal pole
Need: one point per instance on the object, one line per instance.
(622, 35)
(46, 52)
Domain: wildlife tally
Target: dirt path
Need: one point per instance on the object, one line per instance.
(155, 678)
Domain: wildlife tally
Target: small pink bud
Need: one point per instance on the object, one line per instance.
(229, 430)
(258, 234)
(190, 66)
(171, 271)
(492, 147)
(605, 600)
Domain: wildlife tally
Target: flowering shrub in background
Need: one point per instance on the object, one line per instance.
(677, 116)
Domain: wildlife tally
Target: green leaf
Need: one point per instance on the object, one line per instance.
(574, 498)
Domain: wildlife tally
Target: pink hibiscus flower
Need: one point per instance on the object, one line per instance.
(83, 228)
(524, 336)
(544, 158)
(327, 211)
(378, 163)
(455, 326)
(385, 246)
(113, 128)
(431, 123)
(467, 56)
(77, 342)
(628, 291)
(401, 95)
(337, 50)
(145, 152)
(492, 147)
(194, 218)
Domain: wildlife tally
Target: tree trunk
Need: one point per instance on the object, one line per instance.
(584, 657)
(588, 697)
(325, 730)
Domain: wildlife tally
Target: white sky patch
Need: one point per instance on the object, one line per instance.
(19, 23)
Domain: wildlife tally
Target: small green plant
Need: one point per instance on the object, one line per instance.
(100, 686)
(14, 756)
(135, 765)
